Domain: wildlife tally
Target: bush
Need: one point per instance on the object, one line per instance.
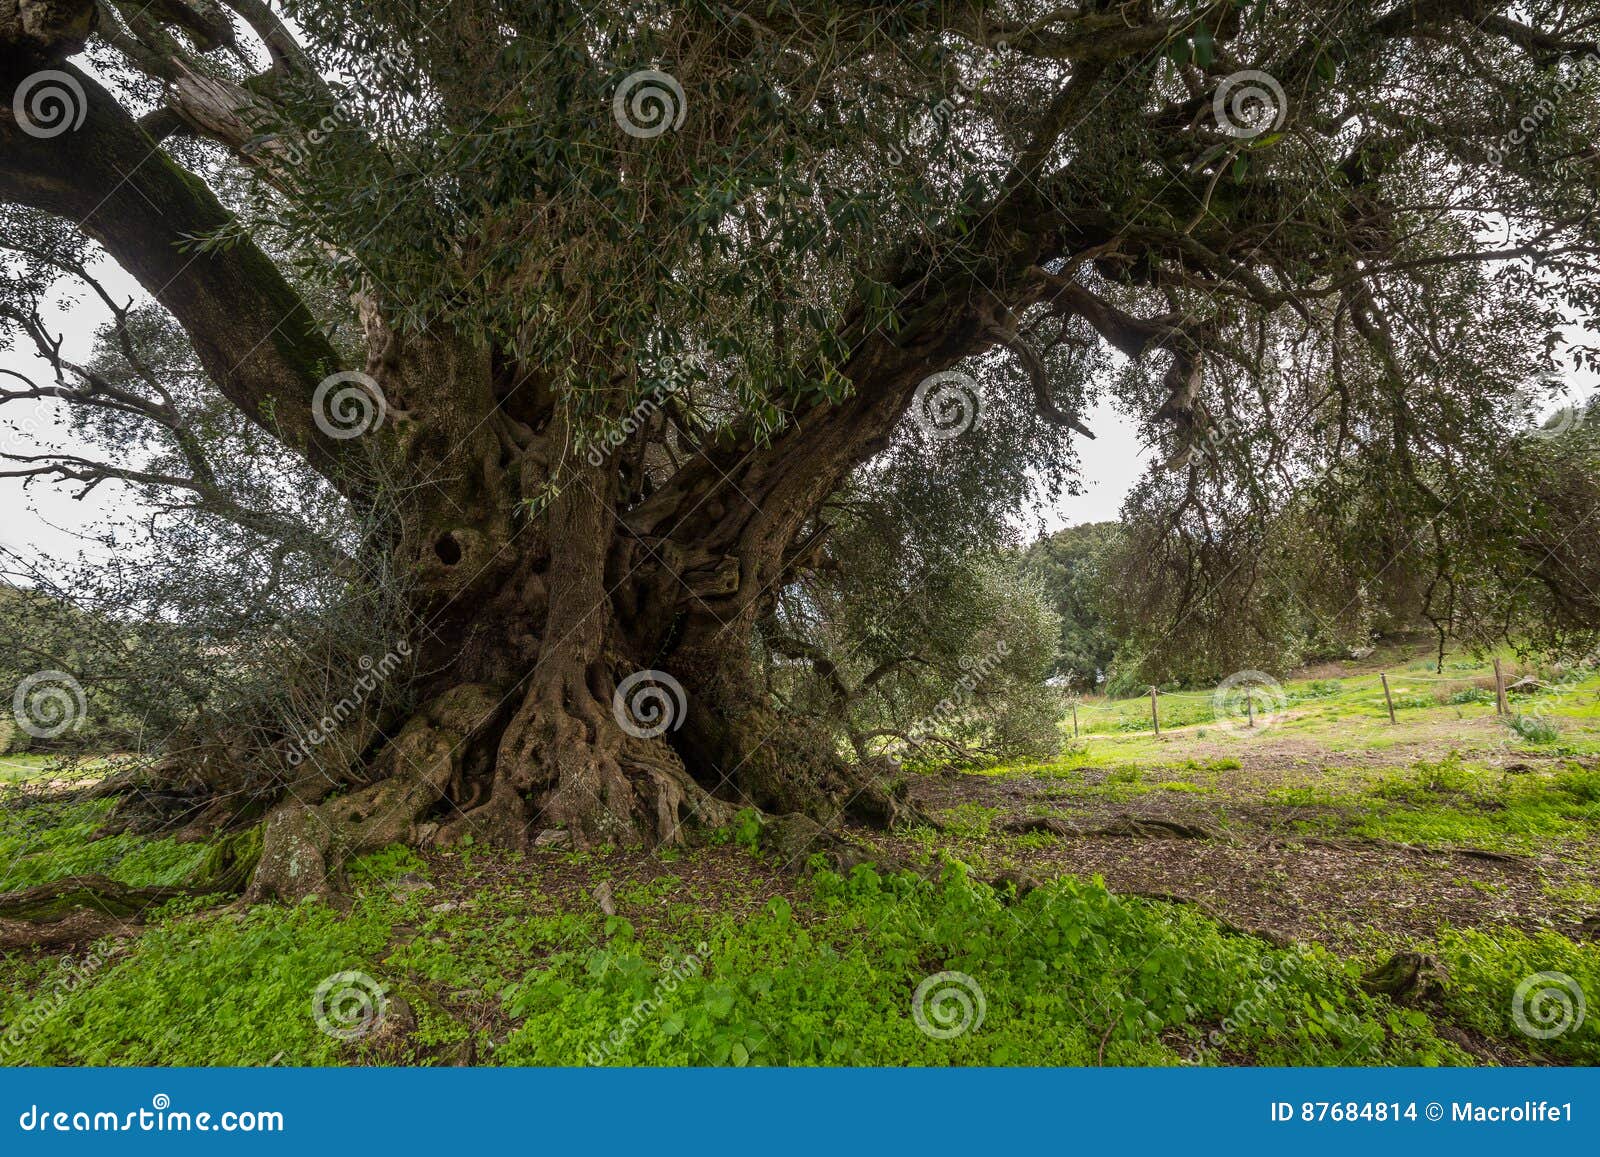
(1535, 728)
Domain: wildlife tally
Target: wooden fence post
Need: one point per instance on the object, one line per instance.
(1500, 707)
(1249, 709)
(1155, 716)
(1387, 698)
(1074, 719)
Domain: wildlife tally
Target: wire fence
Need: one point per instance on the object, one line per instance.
(1363, 695)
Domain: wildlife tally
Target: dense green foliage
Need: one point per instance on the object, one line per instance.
(1074, 565)
(1069, 975)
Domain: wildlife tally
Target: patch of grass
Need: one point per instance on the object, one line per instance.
(969, 821)
(222, 990)
(1063, 967)
(1446, 803)
(1535, 729)
(1488, 969)
(40, 844)
(385, 864)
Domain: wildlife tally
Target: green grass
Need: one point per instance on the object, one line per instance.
(39, 844)
(1345, 713)
(829, 980)
(1451, 803)
(521, 969)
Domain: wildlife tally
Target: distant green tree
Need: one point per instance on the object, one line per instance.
(1071, 563)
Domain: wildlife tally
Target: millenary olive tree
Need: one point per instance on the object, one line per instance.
(601, 303)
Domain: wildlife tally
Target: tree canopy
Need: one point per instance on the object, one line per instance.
(590, 321)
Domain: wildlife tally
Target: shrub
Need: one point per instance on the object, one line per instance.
(1534, 728)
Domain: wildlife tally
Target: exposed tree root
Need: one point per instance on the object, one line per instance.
(75, 909)
(1124, 825)
(307, 839)
(1050, 825)
(1414, 850)
(1410, 978)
